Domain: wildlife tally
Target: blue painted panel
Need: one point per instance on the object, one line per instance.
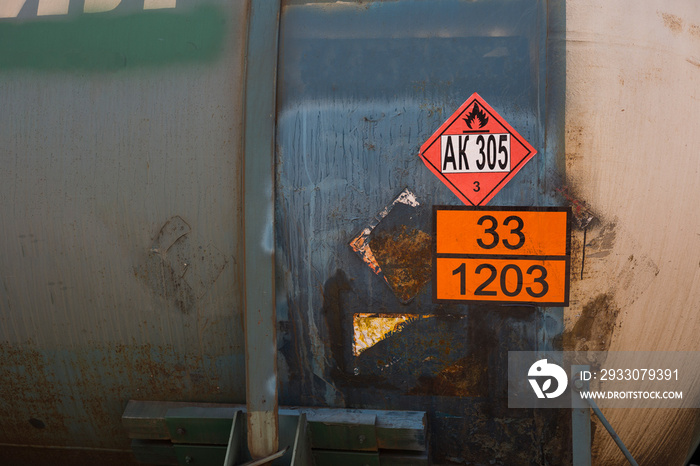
(361, 87)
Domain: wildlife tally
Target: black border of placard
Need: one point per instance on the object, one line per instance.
(566, 258)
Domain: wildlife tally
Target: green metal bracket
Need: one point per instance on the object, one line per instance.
(346, 458)
(196, 425)
(154, 452)
(342, 431)
(199, 454)
(170, 433)
(301, 454)
(235, 441)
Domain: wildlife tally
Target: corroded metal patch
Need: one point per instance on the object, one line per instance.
(369, 329)
(404, 256)
(360, 243)
(395, 251)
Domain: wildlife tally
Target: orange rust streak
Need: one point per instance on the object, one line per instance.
(360, 246)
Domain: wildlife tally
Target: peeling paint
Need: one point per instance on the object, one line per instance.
(404, 255)
(405, 244)
(370, 329)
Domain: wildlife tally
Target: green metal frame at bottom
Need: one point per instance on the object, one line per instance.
(171, 433)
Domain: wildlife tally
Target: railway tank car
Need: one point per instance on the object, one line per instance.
(210, 203)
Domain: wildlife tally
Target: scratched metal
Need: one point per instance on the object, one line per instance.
(399, 256)
(120, 217)
(259, 260)
(361, 87)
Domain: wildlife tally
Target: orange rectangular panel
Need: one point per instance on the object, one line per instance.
(540, 231)
(513, 280)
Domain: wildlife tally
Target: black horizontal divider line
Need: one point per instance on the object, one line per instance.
(499, 256)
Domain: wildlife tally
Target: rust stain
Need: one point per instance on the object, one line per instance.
(576, 138)
(404, 257)
(431, 109)
(76, 397)
(693, 61)
(594, 329)
(583, 214)
(30, 399)
(370, 329)
(695, 31)
(466, 377)
(672, 22)
(360, 244)
(655, 75)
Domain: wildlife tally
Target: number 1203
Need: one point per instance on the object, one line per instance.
(516, 280)
(511, 282)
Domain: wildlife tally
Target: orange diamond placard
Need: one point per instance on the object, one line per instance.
(476, 152)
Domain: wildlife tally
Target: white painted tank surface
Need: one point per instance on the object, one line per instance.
(632, 163)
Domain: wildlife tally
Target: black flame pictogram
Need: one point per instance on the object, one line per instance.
(478, 114)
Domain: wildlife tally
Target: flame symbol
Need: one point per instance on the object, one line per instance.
(478, 114)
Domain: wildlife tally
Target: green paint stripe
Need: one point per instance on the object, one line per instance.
(105, 42)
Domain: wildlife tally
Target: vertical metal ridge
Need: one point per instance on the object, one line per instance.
(258, 225)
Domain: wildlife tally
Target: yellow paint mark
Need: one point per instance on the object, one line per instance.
(370, 329)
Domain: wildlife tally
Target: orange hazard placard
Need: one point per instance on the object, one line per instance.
(518, 231)
(476, 152)
(503, 254)
(539, 282)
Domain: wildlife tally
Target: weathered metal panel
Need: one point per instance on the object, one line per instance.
(120, 214)
(120, 208)
(632, 80)
(258, 197)
(361, 87)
